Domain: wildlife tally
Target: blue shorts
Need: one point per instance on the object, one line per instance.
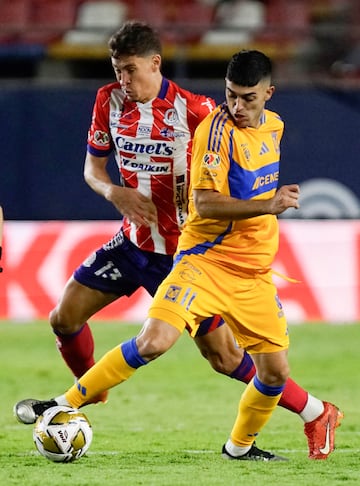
(119, 267)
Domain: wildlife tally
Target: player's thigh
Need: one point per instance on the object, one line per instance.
(257, 317)
(220, 348)
(215, 340)
(77, 304)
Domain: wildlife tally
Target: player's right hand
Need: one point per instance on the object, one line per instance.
(133, 205)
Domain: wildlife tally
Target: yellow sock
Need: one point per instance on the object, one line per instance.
(255, 409)
(109, 371)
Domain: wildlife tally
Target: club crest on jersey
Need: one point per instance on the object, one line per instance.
(101, 138)
(171, 117)
(172, 293)
(211, 160)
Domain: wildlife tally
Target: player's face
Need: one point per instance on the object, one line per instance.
(139, 77)
(246, 104)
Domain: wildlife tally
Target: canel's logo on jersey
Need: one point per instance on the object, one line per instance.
(101, 138)
(211, 160)
(155, 148)
(265, 180)
(171, 117)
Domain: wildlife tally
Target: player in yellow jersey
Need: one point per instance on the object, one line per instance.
(229, 242)
(223, 261)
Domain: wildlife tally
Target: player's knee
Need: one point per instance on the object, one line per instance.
(151, 347)
(62, 321)
(274, 377)
(222, 364)
(282, 375)
(155, 339)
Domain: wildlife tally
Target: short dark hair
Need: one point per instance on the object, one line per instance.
(248, 68)
(134, 39)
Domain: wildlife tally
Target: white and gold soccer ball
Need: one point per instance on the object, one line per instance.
(62, 434)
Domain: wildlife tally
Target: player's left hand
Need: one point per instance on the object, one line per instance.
(286, 197)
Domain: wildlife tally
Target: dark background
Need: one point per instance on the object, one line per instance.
(43, 144)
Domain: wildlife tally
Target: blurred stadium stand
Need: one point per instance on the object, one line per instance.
(69, 37)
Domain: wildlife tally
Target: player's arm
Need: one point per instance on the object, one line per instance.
(1, 232)
(210, 180)
(139, 209)
(214, 205)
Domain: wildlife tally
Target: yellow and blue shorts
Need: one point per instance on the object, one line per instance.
(198, 288)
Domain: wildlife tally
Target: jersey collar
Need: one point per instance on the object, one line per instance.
(164, 88)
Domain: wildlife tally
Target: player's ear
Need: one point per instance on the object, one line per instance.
(156, 59)
(269, 92)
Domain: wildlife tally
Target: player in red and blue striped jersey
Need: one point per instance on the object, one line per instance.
(152, 146)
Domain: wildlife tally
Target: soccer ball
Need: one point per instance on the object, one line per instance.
(62, 434)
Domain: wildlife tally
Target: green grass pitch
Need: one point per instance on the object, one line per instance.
(166, 425)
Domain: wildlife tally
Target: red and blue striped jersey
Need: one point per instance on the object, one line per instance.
(152, 146)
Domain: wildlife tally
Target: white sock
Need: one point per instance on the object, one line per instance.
(61, 400)
(235, 450)
(312, 410)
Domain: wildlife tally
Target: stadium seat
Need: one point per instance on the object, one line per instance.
(177, 22)
(18, 58)
(191, 20)
(49, 20)
(14, 16)
(236, 23)
(95, 21)
(287, 21)
(147, 11)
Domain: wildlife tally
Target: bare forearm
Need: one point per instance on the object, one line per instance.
(138, 208)
(214, 205)
(218, 206)
(99, 181)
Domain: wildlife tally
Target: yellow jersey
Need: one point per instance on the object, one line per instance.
(242, 163)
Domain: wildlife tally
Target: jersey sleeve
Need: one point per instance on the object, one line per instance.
(199, 107)
(99, 141)
(210, 158)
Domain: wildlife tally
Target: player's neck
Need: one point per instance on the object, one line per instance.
(153, 90)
